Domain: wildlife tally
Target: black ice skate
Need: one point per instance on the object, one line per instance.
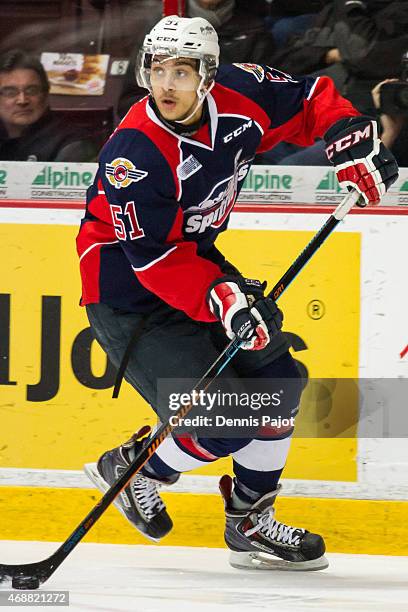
(139, 502)
(258, 541)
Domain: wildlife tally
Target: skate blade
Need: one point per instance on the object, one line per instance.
(91, 471)
(262, 561)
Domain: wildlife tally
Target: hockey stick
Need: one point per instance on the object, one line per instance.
(31, 575)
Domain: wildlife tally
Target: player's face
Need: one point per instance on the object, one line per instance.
(22, 99)
(174, 83)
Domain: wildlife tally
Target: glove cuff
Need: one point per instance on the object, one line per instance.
(344, 124)
(247, 286)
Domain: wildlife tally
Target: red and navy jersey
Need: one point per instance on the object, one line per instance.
(159, 200)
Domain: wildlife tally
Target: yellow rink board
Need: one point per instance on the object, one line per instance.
(76, 425)
(349, 526)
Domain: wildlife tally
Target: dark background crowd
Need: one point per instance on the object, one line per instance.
(361, 44)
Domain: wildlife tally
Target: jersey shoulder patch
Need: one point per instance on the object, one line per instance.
(128, 157)
(121, 172)
(131, 161)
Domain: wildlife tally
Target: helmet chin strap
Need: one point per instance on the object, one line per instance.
(200, 100)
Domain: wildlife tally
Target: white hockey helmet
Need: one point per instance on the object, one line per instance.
(181, 37)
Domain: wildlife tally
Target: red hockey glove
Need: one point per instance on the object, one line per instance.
(240, 305)
(361, 160)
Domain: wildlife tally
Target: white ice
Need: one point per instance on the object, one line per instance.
(110, 578)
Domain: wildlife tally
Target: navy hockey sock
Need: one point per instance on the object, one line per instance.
(156, 468)
(249, 485)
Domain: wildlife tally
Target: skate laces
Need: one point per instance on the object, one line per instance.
(275, 530)
(145, 492)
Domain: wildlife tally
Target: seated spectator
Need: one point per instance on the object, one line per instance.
(242, 37)
(285, 18)
(394, 127)
(356, 43)
(30, 131)
(288, 154)
(313, 49)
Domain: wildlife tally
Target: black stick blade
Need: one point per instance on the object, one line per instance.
(40, 569)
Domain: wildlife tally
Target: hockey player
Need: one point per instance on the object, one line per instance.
(168, 179)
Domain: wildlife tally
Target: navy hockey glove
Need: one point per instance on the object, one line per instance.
(361, 160)
(239, 303)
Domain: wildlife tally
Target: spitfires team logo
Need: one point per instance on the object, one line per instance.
(121, 173)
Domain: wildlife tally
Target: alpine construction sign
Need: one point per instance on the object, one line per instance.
(263, 184)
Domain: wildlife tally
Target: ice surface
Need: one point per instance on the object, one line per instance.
(110, 578)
